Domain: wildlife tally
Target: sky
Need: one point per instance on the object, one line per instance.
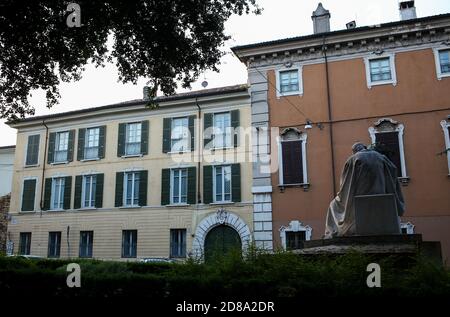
(280, 19)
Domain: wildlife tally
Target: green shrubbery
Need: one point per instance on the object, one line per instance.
(282, 274)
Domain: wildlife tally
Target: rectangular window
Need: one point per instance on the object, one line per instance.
(61, 146)
(129, 243)
(223, 132)
(289, 81)
(33, 150)
(294, 239)
(389, 144)
(177, 243)
(292, 160)
(131, 189)
(25, 243)
(57, 195)
(179, 186)
(444, 61)
(180, 135)
(133, 138)
(380, 69)
(28, 194)
(91, 143)
(86, 242)
(222, 183)
(88, 191)
(54, 244)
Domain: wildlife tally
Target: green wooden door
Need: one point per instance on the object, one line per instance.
(220, 241)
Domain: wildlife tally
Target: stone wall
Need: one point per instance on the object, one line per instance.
(4, 208)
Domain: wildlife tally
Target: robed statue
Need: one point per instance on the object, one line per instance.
(366, 172)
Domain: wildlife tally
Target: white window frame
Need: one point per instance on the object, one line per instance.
(227, 135)
(392, 81)
(445, 124)
(172, 182)
(186, 136)
(60, 193)
(133, 188)
(302, 136)
(294, 226)
(223, 184)
(127, 137)
(83, 191)
(408, 226)
(35, 192)
(299, 69)
(26, 152)
(86, 138)
(397, 127)
(437, 62)
(57, 143)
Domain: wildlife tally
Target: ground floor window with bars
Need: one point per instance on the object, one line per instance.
(86, 242)
(129, 243)
(177, 243)
(54, 244)
(25, 243)
(295, 239)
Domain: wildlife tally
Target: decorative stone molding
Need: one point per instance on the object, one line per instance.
(221, 217)
(445, 124)
(294, 226)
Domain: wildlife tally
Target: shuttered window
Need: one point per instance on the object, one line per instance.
(92, 143)
(131, 189)
(28, 194)
(222, 183)
(177, 243)
(60, 147)
(57, 197)
(54, 244)
(388, 142)
(133, 138)
(292, 161)
(33, 150)
(25, 243)
(178, 186)
(129, 243)
(86, 243)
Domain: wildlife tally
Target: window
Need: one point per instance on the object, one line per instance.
(91, 145)
(380, 70)
(294, 240)
(28, 194)
(131, 189)
(180, 135)
(129, 243)
(179, 186)
(32, 150)
(133, 139)
(442, 61)
(177, 243)
(61, 147)
(407, 228)
(54, 244)
(25, 243)
(88, 191)
(445, 124)
(289, 81)
(57, 195)
(223, 132)
(293, 236)
(86, 241)
(222, 183)
(292, 158)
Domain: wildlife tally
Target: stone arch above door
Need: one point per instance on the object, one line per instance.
(221, 217)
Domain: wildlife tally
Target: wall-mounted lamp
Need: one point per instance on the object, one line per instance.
(308, 124)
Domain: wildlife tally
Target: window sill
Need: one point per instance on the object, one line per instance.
(289, 93)
(443, 75)
(179, 152)
(222, 148)
(177, 205)
(132, 155)
(59, 163)
(381, 82)
(56, 210)
(32, 165)
(304, 185)
(90, 159)
(222, 203)
(87, 208)
(130, 207)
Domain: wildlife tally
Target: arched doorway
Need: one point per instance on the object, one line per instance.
(220, 241)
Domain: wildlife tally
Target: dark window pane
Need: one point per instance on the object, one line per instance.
(294, 240)
(25, 243)
(389, 145)
(54, 244)
(129, 243)
(292, 162)
(178, 242)
(86, 242)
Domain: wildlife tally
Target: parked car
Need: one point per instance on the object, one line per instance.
(157, 260)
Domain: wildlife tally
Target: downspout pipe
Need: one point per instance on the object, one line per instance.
(41, 203)
(330, 117)
(199, 149)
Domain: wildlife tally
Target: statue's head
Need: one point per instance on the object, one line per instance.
(357, 147)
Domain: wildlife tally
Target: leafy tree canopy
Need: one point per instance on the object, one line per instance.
(163, 40)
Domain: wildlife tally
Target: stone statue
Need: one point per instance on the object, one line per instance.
(366, 172)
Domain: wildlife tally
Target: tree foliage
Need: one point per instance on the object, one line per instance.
(164, 41)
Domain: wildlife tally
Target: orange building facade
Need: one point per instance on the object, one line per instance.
(314, 96)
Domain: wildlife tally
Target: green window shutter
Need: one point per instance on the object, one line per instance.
(192, 131)
(100, 179)
(144, 137)
(80, 147)
(207, 126)
(192, 185)
(78, 189)
(28, 194)
(119, 189)
(51, 148)
(236, 182)
(47, 193)
(121, 140)
(235, 124)
(32, 150)
(67, 191)
(101, 141)
(167, 131)
(165, 186)
(70, 148)
(207, 184)
(143, 180)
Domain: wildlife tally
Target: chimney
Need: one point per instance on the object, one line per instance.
(146, 93)
(407, 10)
(321, 19)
